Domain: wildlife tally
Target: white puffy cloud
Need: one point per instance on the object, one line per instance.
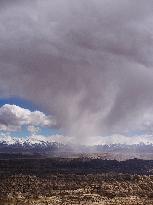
(33, 129)
(13, 117)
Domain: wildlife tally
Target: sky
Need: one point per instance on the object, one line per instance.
(83, 69)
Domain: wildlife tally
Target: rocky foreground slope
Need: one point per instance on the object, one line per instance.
(27, 180)
(76, 189)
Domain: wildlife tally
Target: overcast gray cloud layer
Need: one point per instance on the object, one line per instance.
(87, 61)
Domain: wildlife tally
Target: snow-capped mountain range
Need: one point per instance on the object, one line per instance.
(35, 145)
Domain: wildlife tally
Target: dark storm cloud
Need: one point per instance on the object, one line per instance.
(87, 61)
